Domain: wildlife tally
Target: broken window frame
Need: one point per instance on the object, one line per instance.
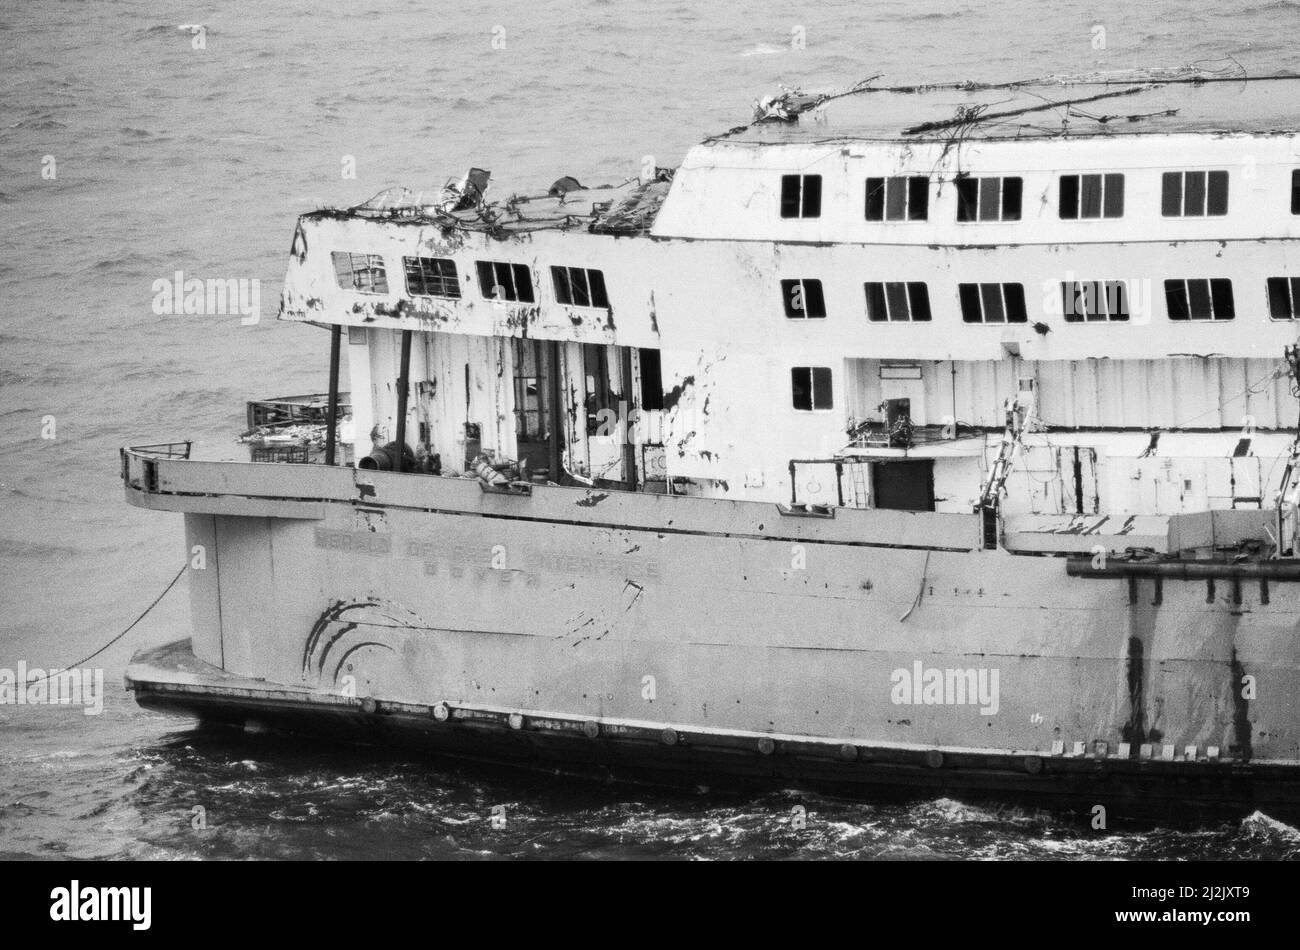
(898, 301)
(529, 367)
(1103, 301)
(431, 277)
(977, 198)
(898, 198)
(1283, 298)
(810, 295)
(977, 302)
(579, 286)
(807, 384)
(1200, 191)
(1200, 300)
(801, 196)
(511, 278)
(1090, 196)
(358, 264)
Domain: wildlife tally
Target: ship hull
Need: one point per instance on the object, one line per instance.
(170, 679)
(698, 642)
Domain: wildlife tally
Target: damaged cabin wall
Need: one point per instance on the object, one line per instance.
(1118, 393)
(730, 423)
(446, 361)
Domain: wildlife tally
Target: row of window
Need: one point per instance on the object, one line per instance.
(1081, 301)
(1192, 194)
(498, 280)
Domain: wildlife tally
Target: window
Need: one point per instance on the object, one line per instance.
(431, 277)
(1284, 298)
(992, 303)
(1295, 191)
(1200, 299)
(1193, 194)
(502, 281)
(803, 298)
(580, 287)
(897, 301)
(801, 196)
(898, 199)
(652, 381)
(988, 199)
(811, 387)
(363, 272)
(1094, 300)
(1092, 196)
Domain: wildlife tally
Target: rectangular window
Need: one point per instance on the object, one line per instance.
(1200, 299)
(1284, 298)
(1295, 191)
(993, 303)
(801, 196)
(580, 287)
(501, 281)
(361, 272)
(1092, 196)
(1094, 300)
(897, 301)
(811, 387)
(898, 199)
(1193, 194)
(988, 199)
(652, 380)
(803, 299)
(431, 277)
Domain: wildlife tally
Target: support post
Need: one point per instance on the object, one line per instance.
(403, 388)
(629, 449)
(332, 414)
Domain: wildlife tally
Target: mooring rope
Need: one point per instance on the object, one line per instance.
(87, 659)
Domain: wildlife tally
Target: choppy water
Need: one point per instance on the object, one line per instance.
(171, 158)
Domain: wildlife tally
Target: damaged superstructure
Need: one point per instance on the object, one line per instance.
(686, 477)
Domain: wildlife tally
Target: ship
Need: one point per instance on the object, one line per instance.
(901, 441)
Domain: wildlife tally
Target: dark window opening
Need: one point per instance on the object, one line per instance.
(652, 380)
(801, 196)
(803, 299)
(361, 272)
(501, 281)
(1095, 300)
(1091, 196)
(992, 303)
(989, 199)
(1284, 298)
(1295, 191)
(1193, 194)
(431, 277)
(579, 287)
(900, 198)
(811, 387)
(1200, 299)
(897, 301)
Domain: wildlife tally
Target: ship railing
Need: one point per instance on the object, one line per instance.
(140, 462)
(163, 450)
